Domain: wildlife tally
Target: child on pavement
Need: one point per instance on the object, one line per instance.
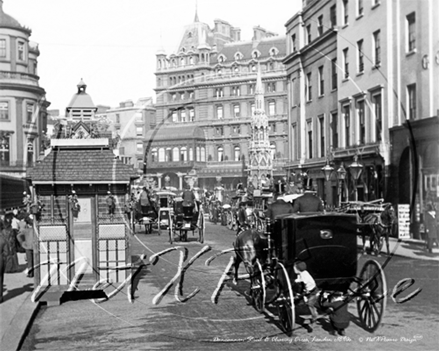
(311, 290)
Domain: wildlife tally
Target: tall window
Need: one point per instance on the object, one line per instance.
(345, 11)
(237, 153)
(219, 111)
(29, 112)
(161, 154)
(4, 151)
(183, 116)
(293, 40)
(376, 41)
(271, 108)
(118, 118)
(346, 65)
(20, 50)
(412, 106)
(139, 148)
(192, 115)
(346, 114)
(139, 117)
(360, 49)
(411, 21)
(377, 104)
(320, 26)
(334, 130)
(176, 155)
(308, 34)
(236, 91)
(360, 7)
(220, 155)
(310, 139)
(168, 154)
(236, 108)
(4, 110)
(321, 136)
(309, 87)
(334, 74)
(30, 153)
(252, 108)
(333, 16)
(2, 47)
(191, 154)
(321, 80)
(361, 118)
(202, 154)
(251, 89)
(198, 153)
(154, 155)
(175, 116)
(219, 92)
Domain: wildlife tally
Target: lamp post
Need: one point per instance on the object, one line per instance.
(341, 172)
(327, 170)
(355, 171)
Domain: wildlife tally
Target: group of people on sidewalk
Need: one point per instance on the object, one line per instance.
(16, 236)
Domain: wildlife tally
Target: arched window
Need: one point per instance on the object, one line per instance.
(161, 154)
(168, 155)
(220, 154)
(183, 154)
(202, 154)
(154, 155)
(191, 154)
(237, 153)
(273, 150)
(175, 154)
(198, 153)
(182, 61)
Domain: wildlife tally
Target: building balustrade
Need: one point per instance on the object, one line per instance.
(23, 77)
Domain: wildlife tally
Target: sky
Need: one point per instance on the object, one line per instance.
(112, 44)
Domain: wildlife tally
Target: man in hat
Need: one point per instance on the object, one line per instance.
(111, 204)
(308, 202)
(26, 237)
(278, 207)
(242, 218)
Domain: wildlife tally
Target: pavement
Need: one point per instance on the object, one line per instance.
(17, 311)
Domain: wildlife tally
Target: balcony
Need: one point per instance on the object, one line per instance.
(18, 77)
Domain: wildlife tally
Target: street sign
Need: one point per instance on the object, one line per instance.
(403, 220)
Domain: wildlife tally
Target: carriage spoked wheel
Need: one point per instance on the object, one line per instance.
(285, 301)
(372, 295)
(258, 289)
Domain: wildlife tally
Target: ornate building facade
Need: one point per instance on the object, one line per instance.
(23, 103)
(209, 84)
(356, 90)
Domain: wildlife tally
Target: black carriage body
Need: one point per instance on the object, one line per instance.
(327, 243)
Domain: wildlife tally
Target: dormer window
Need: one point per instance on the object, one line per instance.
(221, 59)
(273, 52)
(238, 56)
(255, 54)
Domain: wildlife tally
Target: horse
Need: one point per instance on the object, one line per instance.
(250, 246)
(378, 225)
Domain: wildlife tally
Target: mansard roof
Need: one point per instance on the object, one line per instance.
(246, 48)
(175, 132)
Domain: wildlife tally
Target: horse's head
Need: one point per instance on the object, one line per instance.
(388, 215)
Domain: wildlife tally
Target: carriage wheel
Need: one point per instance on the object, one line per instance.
(286, 305)
(258, 289)
(372, 295)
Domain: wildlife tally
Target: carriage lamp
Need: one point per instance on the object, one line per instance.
(328, 170)
(341, 172)
(355, 168)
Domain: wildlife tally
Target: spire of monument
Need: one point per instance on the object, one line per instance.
(196, 18)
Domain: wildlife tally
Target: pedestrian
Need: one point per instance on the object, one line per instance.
(278, 207)
(11, 264)
(242, 218)
(4, 253)
(310, 288)
(111, 204)
(431, 227)
(27, 201)
(26, 240)
(74, 203)
(188, 197)
(308, 202)
(144, 201)
(337, 309)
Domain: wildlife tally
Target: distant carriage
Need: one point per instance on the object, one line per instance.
(375, 223)
(187, 219)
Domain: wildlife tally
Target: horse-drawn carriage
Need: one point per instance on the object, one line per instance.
(327, 243)
(375, 221)
(145, 216)
(187, 219)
